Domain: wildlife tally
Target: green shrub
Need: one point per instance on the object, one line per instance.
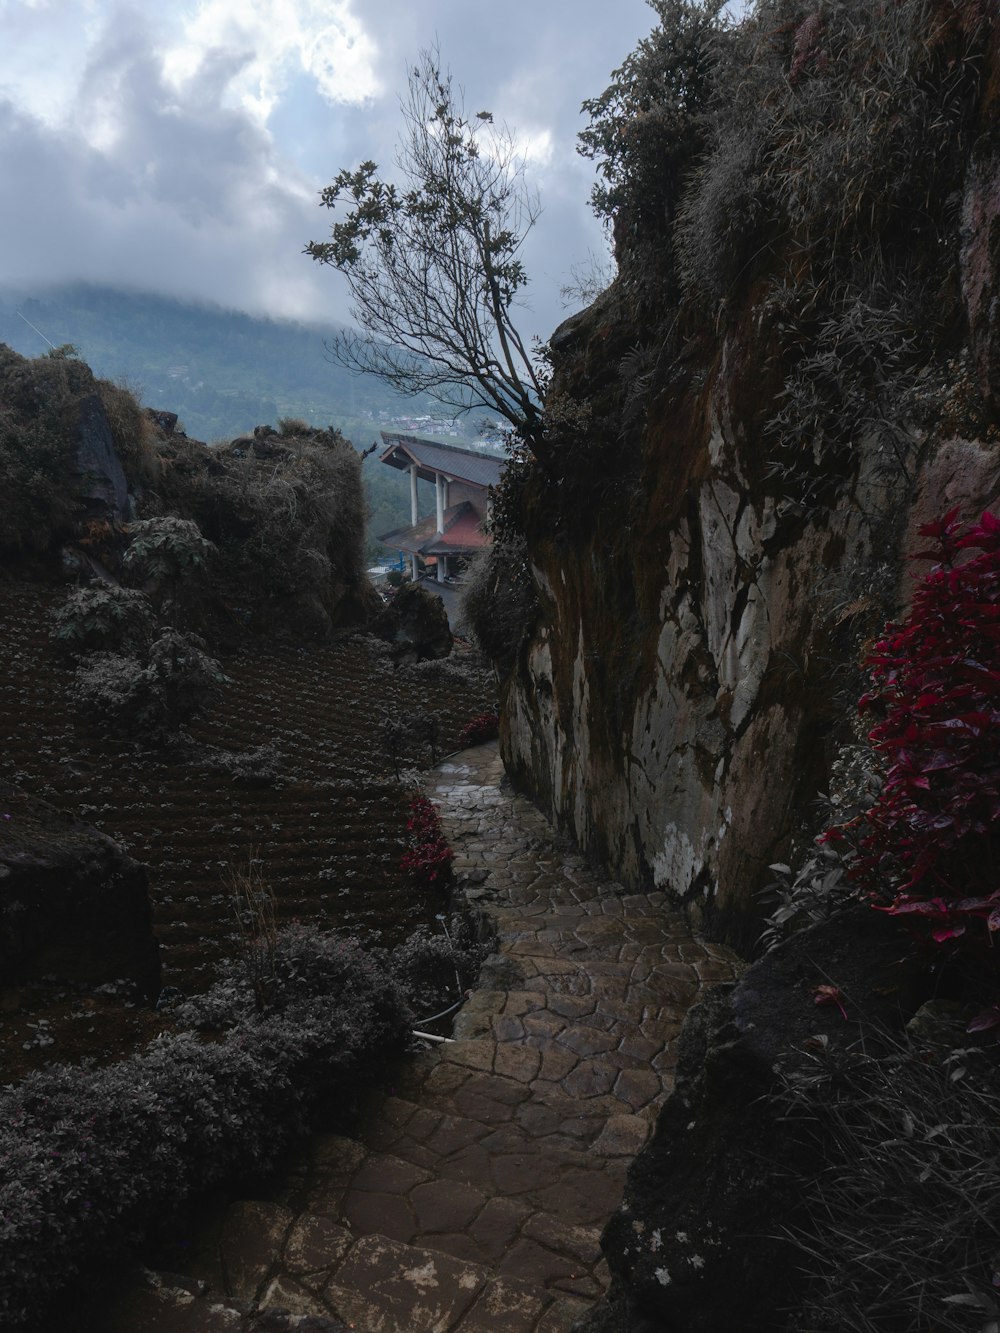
(92, 1156)
(103, 618)
(166, 550)
(149, 698)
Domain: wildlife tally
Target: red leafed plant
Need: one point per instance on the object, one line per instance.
(428, 858)
(483, 727)
(928, 850)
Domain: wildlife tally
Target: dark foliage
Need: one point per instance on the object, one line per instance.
(91, 1155)
(483, 727)
(927, 850)
(428, 858)
(647, 128)
(901, 1215)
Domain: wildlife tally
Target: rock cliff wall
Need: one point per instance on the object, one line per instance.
(702, 592)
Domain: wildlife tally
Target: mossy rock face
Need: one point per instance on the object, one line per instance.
(73, 905)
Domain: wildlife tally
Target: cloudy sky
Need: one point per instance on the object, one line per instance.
(179, 145)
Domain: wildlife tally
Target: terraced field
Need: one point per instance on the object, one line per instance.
(329, 830)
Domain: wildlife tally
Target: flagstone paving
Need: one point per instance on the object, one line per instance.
(474, 1197)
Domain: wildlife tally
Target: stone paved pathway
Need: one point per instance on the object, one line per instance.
(474, 1199)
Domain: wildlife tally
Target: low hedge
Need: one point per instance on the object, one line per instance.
(89, 1156)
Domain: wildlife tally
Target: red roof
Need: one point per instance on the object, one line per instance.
(463, 534)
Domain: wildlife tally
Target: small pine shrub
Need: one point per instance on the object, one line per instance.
(103, 618)
(927, 849)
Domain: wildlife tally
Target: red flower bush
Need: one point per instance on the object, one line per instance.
(482, 727)
(929, 848)
(429, 857)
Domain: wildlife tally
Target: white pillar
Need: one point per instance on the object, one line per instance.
(414, 571)
(441, 566)
(413, 495)
(439, 497)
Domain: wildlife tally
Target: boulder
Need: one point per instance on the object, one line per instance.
(73, 905)
(416, 620)
(698, 1243)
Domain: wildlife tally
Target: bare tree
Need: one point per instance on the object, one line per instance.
(434, 265)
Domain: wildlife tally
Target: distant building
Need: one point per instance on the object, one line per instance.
(442, 541)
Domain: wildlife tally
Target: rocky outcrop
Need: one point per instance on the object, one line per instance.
(73, 906)
(101, 483)
(704, 585)
(701, 1242)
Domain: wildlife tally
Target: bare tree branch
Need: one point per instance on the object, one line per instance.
(434, 267)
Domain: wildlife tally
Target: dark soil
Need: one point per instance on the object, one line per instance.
(330, 828)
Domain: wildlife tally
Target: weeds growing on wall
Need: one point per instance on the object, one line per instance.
(839, 135)
(837, 125)
(133, 432)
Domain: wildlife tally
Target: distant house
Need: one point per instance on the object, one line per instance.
(443, 540)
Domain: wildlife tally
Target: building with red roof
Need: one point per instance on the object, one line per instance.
(456, 529)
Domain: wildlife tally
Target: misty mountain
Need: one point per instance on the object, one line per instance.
(222, 371)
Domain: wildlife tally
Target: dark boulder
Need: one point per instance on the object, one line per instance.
(73, 905)
(417, 622)
(698, 1245)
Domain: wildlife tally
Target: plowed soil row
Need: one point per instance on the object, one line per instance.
(329, 831)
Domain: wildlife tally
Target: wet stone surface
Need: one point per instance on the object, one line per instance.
(475, 1195)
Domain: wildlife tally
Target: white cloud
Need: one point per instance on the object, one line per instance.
(279, 38)
(180, 145)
